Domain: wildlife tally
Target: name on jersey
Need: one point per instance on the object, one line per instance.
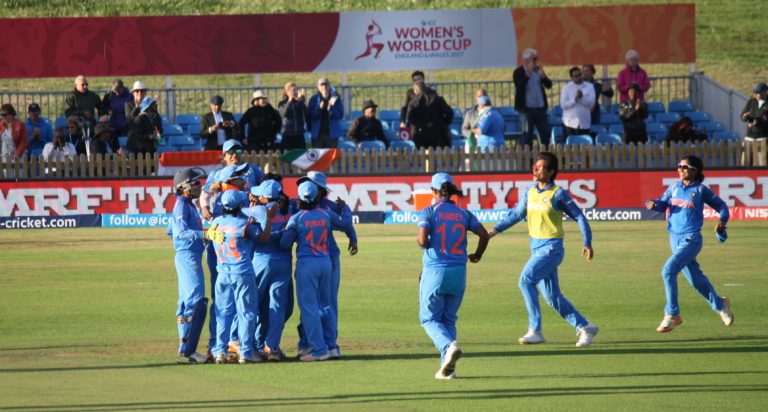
(315, 223)
(449, 216)
(681, 203)
(536, 206)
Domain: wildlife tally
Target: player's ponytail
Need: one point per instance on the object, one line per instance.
(284, 202)
(448, 189)
(306, 205)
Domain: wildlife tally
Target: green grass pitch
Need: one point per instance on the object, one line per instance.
(87, 324)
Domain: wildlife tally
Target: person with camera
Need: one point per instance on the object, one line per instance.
(295, 114)
(530, 98)
(326, 111)
(217, 126)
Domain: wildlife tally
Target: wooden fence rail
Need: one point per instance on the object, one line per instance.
(715, 154)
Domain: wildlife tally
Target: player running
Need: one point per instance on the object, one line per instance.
(186, 229)
(543, 206)
(236, 282)
(442, 233)
(311, 229)
(685, 202)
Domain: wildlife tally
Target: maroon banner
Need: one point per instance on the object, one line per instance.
(745, 191)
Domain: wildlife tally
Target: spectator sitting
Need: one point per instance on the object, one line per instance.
(217, 126)
(470, 116)
(530, 98)
(430, 117)
(489, 126)
(633, 112)
(588, 72)
(682, 131)
(576, 98)
(366, 127)
(83, 103)
(263, 123)
(13, 133)
(59, 149)
(75, 134)
(143, 135)
(417, 76)
(632, 74)
(114, 104)
(40, 132)
(295, 117)
(755, 113)
(325, 113)
(133, 106)
(105, 142)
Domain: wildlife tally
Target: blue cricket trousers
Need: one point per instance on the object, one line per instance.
(189, 268)
(273, 286)
(685, 248)
(441, 290)
(235, 301)
(313, 287)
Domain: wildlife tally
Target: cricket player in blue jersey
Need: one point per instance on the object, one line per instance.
(442, 234)
(543, 206)
(273, 267)
(186, 229)
(685, 202)
(311, 229)
(236, 282)
(341, 209)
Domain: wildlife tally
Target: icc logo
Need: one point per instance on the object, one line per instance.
(373, 30)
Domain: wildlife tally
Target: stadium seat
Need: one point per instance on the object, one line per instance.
(656, 137)
(457, 115)
(354, 114)
(347, 145)
(597, 129)
(163, 149)
(190, 123)
(579, 139)
(123, 140)
(60, 122)
(725, 136)
(667, 118)
(698, 117)
(680, 106)
(172, 130)
(556, 134)
(555, 121)
(402, 144)
(456, 131)
(610, 118)
(557, 111)
(181, 140)
(656, 132)
(47, 120)
(190, 148)
(711, 127)
(373, 145)
(511, 126)
(165, 119)
(391, 135)
(389, 115)
(608, 138)
(615, 108)
(616, 129)
(655, 107)
(237, 117)
(507, 112)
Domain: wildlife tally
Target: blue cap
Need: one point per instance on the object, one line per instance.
(722, 235)
(268, 188)
(227, 172)
(484, 100)
(317, 178)
(307, 191)
(230, 144)
(145, 103)
(232, 199)
(439, 178)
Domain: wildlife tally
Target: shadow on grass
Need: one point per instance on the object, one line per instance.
(359, 400)
(51, 347)
(90, 368)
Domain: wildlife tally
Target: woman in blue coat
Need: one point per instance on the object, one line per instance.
(684, 200)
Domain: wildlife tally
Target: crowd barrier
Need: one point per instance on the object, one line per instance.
(722, 154)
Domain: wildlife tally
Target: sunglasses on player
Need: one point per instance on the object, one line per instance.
(235, 151)
(682, 166)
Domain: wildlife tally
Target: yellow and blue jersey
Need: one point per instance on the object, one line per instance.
(448, 225)
(186, 226)
(686, 206)
(234, 255)
(543, 210)
(311, 230)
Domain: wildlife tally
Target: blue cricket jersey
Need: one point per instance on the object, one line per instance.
(448, 225)
(253, 177)
(186, 227)
(272, 249)
(311, 230)
(686, 206)
(345, 214)
(561, 201)
(235, 254)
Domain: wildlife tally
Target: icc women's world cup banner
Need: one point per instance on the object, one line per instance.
(347, 41)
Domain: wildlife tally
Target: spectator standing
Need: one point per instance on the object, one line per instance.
(59, 149)
(40, 132)
(417, 76)
(105, 141)
(588, 72)
(633, 112)
(295, 117)
(76, 134)
(325, 112)
(83, 103)
(114, 102)
(682, 131)
(366, 127)
(133, 106)
(470, 116)
(632, 74)
(263, 123)
(146, 129)
(430, 118)
(577, 99)
(488, 129)
(530, 98)
(13, 133)
(217, 126)
(755, 113)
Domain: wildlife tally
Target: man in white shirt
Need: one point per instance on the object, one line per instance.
(217, 126)
(577, 98)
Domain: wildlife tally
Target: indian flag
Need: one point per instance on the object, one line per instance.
(311, 159)
(171, 162)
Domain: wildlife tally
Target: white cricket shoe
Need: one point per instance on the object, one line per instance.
(668, 323)
(335, 353)
(309, 357)
(452, 354)
(726, 315)
(303, 351)
(253, 359)
(221, 358)
(532, 337)
(586, 334)
(194, 358)
(439, 375)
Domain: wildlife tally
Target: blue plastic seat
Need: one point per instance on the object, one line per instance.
(608, 138)
(667, 118)
(172, 130)
(557, 111)
(123, 140)
(347, 145)
(373, 145)
(698, 116)
(191, 148)
(391, 135)
(656, 132)
(598, 129)
(180, 140)
(507, 112)
(610, 118)
(616, 128)
(615, 108)
(655, 107)
(237, 116)
(458, 143)
(47, 120)
(680, 106)
(512, 126)
(190, 123)
(555, 121)
(389, 115)
(578, 139)
(354, 114)
(60, 122)
(165, 119)
(711, 127)
(725, 136)
(402, 144)
(556, 134)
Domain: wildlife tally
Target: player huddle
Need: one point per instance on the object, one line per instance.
(254, 226)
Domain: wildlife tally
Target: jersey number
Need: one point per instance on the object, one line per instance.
(321, 247)
(230, 249)
(463, 234)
